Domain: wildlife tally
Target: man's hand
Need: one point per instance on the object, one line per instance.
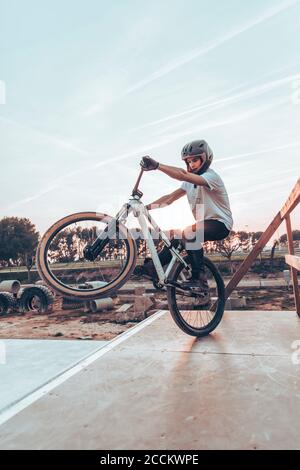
(148, 163)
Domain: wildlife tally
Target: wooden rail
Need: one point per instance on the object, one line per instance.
(293, 261)
(283, 214)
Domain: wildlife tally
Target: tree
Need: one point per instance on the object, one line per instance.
(245, 240)
(255, 236)
(64, 246)
(248, 239)
(275, 243)
(283, 238)
(18, 242)
(228, 246)
(209, 247)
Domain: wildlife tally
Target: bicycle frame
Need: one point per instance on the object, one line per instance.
(139, 211)
(136, 206)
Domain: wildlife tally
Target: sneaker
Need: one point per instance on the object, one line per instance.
(199, 287)
(146, 270)
(195, 284)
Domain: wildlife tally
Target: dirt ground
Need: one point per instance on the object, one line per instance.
(271, 298)
(76, 324)
(68, 324)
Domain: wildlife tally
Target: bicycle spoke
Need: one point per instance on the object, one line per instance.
(197, 312)
(68, 264)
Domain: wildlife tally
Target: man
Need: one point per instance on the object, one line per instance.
(209, 203)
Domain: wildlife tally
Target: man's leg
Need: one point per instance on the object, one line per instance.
(148, 269)
(192, 238)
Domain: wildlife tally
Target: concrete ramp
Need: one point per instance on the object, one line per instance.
(156, 388)
(27, 365)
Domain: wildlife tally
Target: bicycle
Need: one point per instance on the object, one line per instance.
(75, 255)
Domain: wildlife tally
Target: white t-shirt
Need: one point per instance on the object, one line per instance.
(214, 200)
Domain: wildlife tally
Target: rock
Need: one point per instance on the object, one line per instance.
(140, 290)
(129, 316)
(143, 303)
(238, 302)
(124, 308)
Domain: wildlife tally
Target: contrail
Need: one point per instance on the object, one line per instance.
(211, 106)
(173, 65)
(189, 109)
(235, 118)
(32, 198)
(237, 165)
(146, 148)
(58, 183)
(263, 186)
(53, 139)
(172, 137)
(258, 152)
(138, 151)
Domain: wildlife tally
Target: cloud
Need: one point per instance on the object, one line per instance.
(60, 182)
(215, 104)
(237, 165)
(234, 118)
(139, 151)
(263, 186)
(114, 94)
(259, 152)
(194, 54)
(28, 199)
(62, 143)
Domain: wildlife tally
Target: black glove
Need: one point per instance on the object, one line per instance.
(148, 163)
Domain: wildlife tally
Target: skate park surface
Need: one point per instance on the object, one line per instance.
(154, 387)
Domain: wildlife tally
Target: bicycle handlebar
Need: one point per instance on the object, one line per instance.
(136, 191)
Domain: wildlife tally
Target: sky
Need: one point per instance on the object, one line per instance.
(88, 87)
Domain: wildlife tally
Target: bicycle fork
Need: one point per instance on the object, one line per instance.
(93, 250)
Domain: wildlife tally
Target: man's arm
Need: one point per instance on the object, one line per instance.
(182, 175)
(166, 200)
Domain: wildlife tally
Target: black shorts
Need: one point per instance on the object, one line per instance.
(208, 230)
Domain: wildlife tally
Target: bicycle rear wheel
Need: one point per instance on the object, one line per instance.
(185, 308)
(62, 262)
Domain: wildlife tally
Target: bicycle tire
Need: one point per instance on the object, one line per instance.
(36, 299)
(85, 294)
(8, 303)
(219, 303)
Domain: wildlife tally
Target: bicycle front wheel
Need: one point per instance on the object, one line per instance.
(62, 262)
(186, 309)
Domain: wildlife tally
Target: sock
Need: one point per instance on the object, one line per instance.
(196, 259)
